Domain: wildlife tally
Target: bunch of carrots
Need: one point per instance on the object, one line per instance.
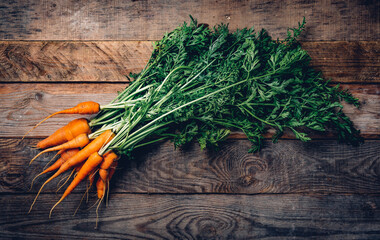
(78, 152)
(199, 85)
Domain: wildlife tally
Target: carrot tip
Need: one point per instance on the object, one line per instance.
(51, 210)
(31, 185)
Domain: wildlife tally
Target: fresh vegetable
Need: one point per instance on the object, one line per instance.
(79, 141)
(65, 155)
(93, 161)
(104, 168)
(201, 84)
(66, 133)
(78, 158)
(82, 108)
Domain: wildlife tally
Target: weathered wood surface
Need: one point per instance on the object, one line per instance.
(290, 190)
(24, 105)
(149, 20)
(322, 166)
(107, 61)
(112, 61)
(140, 216)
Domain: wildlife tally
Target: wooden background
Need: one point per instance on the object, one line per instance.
(55, 54)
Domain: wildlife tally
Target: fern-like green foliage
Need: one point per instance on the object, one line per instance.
(201, 84)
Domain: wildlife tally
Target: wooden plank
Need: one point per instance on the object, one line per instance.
(322, 166)
(28, 102)
(24, 105)
(136, 216)
(149, 20)
(111, 61)
(346, 61)
(47, 61)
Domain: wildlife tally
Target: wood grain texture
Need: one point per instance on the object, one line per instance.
(24, 105)
(112, 61)
(48, 61)
(149, 19)
(286, 167)
(346, 61)
(136, 216)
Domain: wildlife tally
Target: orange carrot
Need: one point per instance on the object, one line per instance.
(111, 171)
(65, 155)
(81, 156)
(93, 161)
(91, 177)
(104, 178)
(103, 185)
(100, 187)
(82, 108)
(66, 133)
(108, 159)
(78, 142)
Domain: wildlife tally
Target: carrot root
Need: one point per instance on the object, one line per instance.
(67, 179)
(31, 185)
(66, 133)
(82, 108)
(78, 142)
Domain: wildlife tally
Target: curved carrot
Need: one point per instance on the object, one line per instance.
(82, 108)
(65, 155)
(108, 159)
(93, 161)
(81, 156)
(78, 142)
(105, 176)
(111, 172)
(91, 176)
(66, 133)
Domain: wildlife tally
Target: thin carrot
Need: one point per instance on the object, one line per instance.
(100, 188)
(65, 155)
(67, 179)
(78, 142)
(91, 177)
(111, 172)
(66, 133)
(93, 161)
(81, 156)
(102, 184)
(108, 159)
(82, 108)
(105, 176)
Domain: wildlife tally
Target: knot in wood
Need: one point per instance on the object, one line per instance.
(38, 96)
(207, 232)
(247, 180)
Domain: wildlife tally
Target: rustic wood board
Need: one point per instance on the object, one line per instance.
(290, 190)
(149, 20)
(199, 216)
(322, 166)
(112, 61)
